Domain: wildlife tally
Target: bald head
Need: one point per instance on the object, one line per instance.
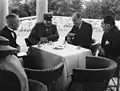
(12, 21)
(76, 18)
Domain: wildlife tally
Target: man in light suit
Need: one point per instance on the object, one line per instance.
(43, 32)
(81, 32)
(12, 24)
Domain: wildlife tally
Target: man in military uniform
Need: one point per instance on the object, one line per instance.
(43, 32)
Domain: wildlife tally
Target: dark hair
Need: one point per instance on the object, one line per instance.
(109, 20)
(48, 16)
(78, 15)
(11, 16)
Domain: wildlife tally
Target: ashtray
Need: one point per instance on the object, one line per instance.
(78, 47)
(58, 47)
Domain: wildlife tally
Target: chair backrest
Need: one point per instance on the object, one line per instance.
(96, 75)
(28, 43)
(9, 81)
(41, 61)
(100, 63)
(36, 86)
(30, 62)
(47, 76)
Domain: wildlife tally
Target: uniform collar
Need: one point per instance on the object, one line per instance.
(112, 29)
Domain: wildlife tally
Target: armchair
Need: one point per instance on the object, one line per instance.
(96, 75)
(48, 76)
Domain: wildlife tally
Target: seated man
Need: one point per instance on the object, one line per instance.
(10, 62)
(12, 21)
(81, 33)
(110, 44)
(43, 32)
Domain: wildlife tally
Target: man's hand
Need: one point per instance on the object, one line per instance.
(43, 40)
(69, 39)
(71, 34)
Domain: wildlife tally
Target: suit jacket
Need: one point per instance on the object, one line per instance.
(40, 30)
(83, 35)
(5, 32)
(111, 43)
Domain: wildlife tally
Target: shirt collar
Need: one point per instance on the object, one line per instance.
(10, 28)
(80, 24)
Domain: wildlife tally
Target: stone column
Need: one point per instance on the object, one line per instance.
(41, 8)
(3, 12)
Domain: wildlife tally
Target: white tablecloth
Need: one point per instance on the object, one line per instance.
(70, 55)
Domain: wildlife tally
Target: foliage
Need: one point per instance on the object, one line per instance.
(101, 8)
(94, 9)
(28, 8)
(111, 7)
(77, 5)
(63, 7)
(52, 5)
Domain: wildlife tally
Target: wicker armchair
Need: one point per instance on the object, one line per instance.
(47, 76)
(115, 80)
(96, 76)
(36, 86)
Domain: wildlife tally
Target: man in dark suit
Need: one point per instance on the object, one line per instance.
(110, 44)
(8, 31)
(43, 32)
(81, 33)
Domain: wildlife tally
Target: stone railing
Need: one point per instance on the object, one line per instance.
(63, 23)
(27, 23)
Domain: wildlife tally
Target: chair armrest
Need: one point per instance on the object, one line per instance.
(36, 86)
